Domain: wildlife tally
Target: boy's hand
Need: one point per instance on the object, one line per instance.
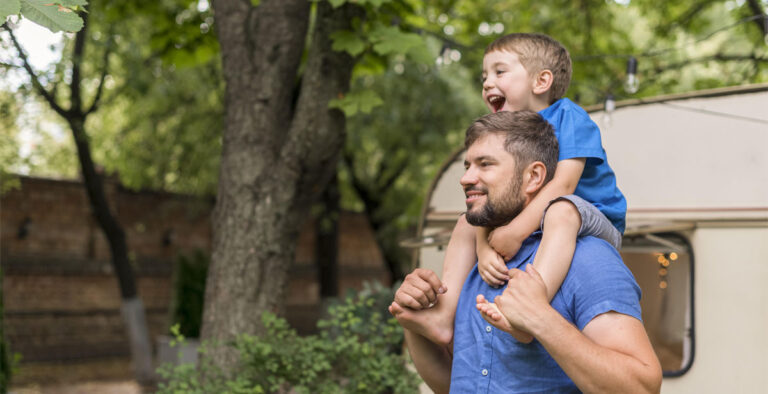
(491, 266)
(505, 242)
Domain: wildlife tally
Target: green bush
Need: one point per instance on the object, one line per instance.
(189, 292)
(358, 350)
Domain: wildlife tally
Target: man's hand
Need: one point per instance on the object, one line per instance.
(419, 289)
(505, 241)
(524, 299)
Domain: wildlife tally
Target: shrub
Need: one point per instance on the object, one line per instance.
(358, 350)
(189, 276)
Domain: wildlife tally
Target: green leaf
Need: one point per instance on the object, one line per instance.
(345, 40)
(69, 3)
(52, 16)
(390, 40)
(7, 8)
(337, 3)
(357, 101)
(255, 3)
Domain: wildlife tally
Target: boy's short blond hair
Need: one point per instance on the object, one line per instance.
(539, 52)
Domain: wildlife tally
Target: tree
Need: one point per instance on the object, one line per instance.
(276, 154)
(75, 116)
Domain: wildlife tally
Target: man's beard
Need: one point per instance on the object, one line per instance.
(498, 213)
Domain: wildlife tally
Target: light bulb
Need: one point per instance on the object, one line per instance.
(610, 105)
(632, 82)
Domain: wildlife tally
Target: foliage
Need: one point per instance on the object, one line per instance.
(393, 153)
(55, 15)
(356, 351)
(189, 293)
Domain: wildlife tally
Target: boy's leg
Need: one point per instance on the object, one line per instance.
(436, 323)
(560, 228)
(593, 222)
(491, 313)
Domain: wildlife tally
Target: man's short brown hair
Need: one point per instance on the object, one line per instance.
(538, 52)
(528, 137)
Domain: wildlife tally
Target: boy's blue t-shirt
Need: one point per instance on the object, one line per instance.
(578, 136)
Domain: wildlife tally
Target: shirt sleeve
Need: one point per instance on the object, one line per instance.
(599, 282)
(579, 136)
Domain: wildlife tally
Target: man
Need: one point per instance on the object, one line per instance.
(590, 338)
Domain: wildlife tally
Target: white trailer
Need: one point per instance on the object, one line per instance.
(694, 170)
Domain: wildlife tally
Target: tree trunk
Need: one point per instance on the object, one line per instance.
(276, 159)
(327, 241)
(132, 308)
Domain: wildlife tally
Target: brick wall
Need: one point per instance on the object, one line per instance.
(61, 298)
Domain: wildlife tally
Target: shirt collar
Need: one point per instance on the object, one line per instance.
(527, 250)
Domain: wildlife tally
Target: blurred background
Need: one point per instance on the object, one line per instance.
(139, 95)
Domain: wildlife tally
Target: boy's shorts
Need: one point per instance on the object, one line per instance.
(593, 222)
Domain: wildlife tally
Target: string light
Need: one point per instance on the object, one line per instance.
(632, 83)
(610, 105)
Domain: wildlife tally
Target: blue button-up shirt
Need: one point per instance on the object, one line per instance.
(488, 360)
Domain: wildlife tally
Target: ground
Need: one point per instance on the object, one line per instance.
(104, 376)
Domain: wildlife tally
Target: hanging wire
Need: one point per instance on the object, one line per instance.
(659, 52)
(715, 113)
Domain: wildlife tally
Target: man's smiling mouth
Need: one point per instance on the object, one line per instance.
(473, 194)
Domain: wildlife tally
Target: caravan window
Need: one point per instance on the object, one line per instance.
(663, 267)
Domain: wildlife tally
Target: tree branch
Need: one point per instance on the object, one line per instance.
(77, 58)
(32, 76)
(685, 18)
(393, 176)
(104, 69)
(8, 65)
(754, 5)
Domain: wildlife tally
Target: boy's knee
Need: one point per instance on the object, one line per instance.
(562, 213)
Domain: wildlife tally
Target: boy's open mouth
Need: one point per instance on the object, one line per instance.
(497, 102)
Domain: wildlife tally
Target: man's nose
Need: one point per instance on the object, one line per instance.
(469, 178)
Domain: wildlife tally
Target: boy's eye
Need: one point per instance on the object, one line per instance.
(499, 72)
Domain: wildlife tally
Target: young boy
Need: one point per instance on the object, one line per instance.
(529, 72)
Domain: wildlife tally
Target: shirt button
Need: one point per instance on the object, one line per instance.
(485, 372)
(487, 328)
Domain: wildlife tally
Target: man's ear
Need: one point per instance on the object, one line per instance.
(542, 82)
(534, 178)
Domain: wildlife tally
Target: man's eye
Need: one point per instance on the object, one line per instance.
(485, 163)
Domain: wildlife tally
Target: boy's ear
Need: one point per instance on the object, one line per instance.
(542, 82)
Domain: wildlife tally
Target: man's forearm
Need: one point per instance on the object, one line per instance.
(433, 362)
(596, 368)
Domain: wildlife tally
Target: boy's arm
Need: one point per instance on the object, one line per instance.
(567, 175)
(491, 266)
(559, 241)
